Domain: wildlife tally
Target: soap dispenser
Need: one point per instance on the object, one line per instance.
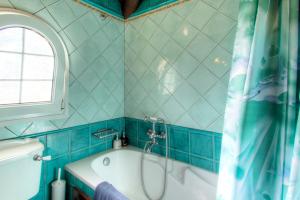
(124, 140)
(117, 144)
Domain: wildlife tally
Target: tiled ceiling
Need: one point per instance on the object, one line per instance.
(113, 7)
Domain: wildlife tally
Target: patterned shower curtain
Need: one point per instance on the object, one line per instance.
(260, 157)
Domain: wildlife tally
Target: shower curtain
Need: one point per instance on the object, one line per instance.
(260, 158)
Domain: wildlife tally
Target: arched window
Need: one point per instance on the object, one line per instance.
(33, 68)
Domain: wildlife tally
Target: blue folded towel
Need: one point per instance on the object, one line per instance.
(106, 191)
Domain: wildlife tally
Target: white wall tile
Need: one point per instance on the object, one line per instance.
(62, 13)
(218, 27)
(186, 83)
(28, 5)
(5, 3)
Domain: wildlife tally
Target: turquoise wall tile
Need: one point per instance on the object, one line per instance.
(158, 149)
(217, 143)
(117, 124)
(216, 167)
(77, 155)
(109, 141)
(178, 155)
(98, 148)
(53, 165)
(141, 144)
(80, 138)
(202, 144)
(179, 138)
(196, 147)
(58, 144)
(143, 128)
(202, 163)
(131, 129)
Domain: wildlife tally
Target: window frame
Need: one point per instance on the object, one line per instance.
(57, 108)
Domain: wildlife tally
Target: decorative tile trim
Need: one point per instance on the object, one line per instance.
(154, 9)
(146, 8)
(196, 147)
(99, 8)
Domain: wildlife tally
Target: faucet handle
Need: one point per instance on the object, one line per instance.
(151, 133)
(41, 158)
(162, 135)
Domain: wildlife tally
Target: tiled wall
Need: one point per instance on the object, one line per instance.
(177, 63)
(196, 147)
(69, 145)
(96, 51)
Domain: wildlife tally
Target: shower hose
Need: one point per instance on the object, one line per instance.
(165, 169)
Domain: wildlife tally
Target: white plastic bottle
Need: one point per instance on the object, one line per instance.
(117, 144)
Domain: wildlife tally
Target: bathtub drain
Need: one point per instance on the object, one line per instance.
(106, 161)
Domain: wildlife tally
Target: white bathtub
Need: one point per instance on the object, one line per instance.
(184, 181)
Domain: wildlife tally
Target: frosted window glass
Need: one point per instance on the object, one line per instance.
(11, 39)
(38, 67)
(10, 66)
(10, 92)
(36, 91)
(36, 44)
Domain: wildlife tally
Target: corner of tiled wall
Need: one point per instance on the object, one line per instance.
(180, 58)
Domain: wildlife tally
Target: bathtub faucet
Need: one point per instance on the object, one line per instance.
(152, 133)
